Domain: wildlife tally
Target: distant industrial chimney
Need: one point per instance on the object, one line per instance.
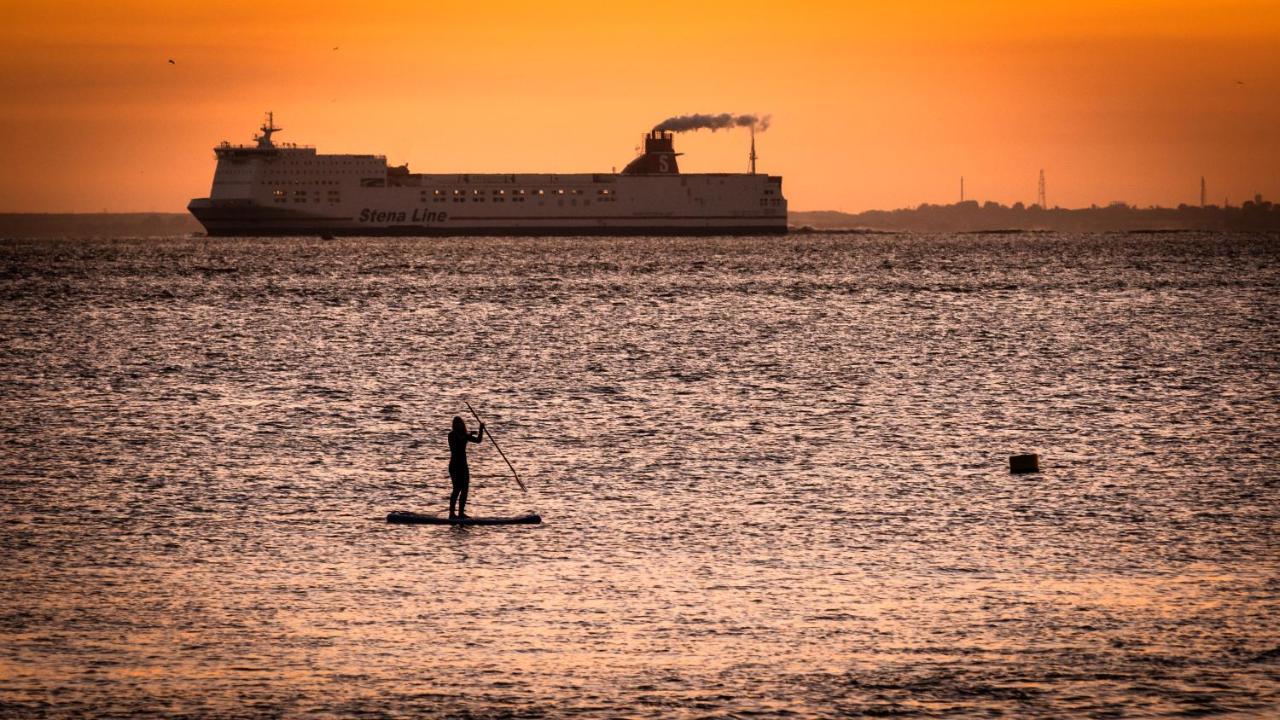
(1202, 192)
(1040, 199)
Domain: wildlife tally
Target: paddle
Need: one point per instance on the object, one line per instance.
(495, 445)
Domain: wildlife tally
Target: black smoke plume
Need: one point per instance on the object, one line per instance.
(723, 121)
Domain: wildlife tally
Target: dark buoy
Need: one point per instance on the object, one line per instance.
(1024, 463)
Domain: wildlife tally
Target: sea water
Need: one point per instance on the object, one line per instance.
(773, 472)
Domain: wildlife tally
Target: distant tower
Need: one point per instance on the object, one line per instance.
(753, 150)
(961, 188)
(1040, 193)
(1202, 193)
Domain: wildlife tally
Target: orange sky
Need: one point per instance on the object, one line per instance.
(873, 106)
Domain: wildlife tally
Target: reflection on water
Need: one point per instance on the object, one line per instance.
(772, 470)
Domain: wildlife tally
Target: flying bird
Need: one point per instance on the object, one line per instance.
(171, 62)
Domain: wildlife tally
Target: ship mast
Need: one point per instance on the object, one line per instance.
(264, 140)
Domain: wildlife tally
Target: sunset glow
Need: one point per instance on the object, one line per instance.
(873, 106)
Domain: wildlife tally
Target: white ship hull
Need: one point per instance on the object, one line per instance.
(285, 190)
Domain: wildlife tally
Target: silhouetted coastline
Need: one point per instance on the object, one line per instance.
(79, 225)
(970, 216)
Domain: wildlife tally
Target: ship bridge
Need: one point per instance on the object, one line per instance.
(263, 146)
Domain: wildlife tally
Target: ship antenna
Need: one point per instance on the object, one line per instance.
(264, 140)
(753, 149)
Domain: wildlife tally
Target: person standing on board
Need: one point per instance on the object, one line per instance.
(459, 473)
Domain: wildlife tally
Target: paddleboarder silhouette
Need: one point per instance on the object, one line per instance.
(459, 473)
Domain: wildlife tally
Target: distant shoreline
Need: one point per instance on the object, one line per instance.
(965, 217)
(970, 217)
(89, 225)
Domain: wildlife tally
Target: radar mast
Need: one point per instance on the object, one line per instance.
(268, 127)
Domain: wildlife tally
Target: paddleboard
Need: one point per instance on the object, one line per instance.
(413, 518)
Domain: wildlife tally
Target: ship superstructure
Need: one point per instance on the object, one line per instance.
(281, 189)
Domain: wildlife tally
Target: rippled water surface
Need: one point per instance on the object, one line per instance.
(773, 473)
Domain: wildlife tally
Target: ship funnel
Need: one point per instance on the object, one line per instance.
(659, 156)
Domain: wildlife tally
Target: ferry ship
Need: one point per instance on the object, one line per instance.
(269, 189)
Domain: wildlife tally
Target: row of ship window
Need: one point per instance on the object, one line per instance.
(768, 201)
(501, 193)
(328, 163)
(515, 195)
(300, 196)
